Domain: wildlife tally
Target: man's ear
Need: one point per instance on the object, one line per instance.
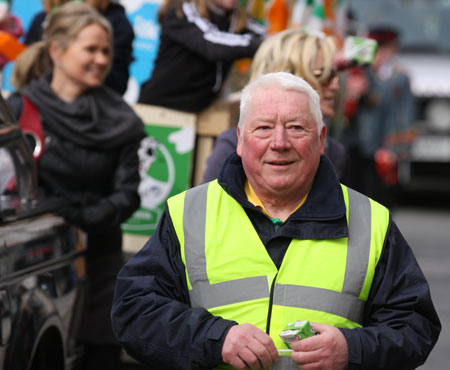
(239, 144)
(323, 135)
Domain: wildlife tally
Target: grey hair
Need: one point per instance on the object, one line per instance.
(285, 81)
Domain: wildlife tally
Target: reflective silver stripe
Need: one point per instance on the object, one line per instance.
(319, 299)
(285, 363)
(345, 304)
(358, 250)
(194, 224)
(204, 294)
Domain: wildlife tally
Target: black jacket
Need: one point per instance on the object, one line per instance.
(153, 320)
(194, 57)
(123, 36)
(101, 185)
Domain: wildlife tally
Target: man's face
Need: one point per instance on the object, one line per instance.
(280, 145)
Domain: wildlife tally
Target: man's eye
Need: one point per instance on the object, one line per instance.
(263, 128)
(296, 127)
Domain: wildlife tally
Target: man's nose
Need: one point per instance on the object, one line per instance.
(280, 139)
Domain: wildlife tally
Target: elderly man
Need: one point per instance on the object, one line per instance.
(275, 240)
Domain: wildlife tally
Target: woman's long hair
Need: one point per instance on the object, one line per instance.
(295, 51)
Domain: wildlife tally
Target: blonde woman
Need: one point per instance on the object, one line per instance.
(89, 162)
(199, 41)
(122, 39)
(308, 55)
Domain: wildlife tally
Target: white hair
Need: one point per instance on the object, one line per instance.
(284, 81)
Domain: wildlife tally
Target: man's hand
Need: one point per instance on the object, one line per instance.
(328, 350)
(247, 347)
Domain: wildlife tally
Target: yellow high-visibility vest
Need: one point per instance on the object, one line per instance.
(230, 273)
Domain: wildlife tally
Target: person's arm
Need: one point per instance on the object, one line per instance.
(120, 204)
(15, 104)
(400, 324)
(34, 33)
(151, 313)
(203, 38)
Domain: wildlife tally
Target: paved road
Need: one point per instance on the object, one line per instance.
(426, 227)
(427, 231)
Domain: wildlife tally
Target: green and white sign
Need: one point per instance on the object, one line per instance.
(165, 166)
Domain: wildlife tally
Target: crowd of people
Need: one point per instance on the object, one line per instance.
(290, 223)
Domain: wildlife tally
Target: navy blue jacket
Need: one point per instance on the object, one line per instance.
(153, 320)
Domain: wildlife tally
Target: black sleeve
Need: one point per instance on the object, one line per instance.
(15, 105)
(124, 198)
(34, 33)
(401, 325)
(204, 38)
(151, 312)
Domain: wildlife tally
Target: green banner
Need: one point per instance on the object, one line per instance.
(165, 166)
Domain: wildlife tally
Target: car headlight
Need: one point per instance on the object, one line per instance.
(437, 114)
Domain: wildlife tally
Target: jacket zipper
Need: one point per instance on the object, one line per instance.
(269, 314)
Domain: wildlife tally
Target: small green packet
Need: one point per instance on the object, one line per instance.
(297, 330)
(360, 50)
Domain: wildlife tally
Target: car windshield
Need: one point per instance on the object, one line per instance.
(423, 24)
